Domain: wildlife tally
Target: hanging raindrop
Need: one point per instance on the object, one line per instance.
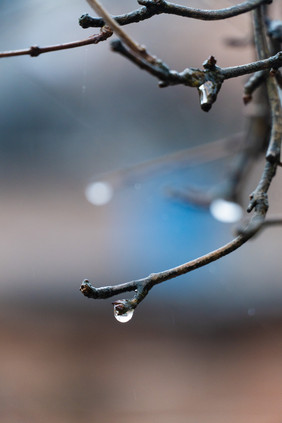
(123, 318)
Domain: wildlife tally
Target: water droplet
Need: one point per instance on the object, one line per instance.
(226, 211)
(123, 318)
(99, 193)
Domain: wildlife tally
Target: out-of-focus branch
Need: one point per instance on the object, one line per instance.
(230, 188)
(35, 51)
(200, 154)
(274, 148)
(108, 20)
(274, 31)
(271, 62)
(133, 46)
(156, 7)
(259, 198)
(253, 83)
(257, 79)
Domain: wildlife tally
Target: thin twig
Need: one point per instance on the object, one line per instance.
(154, 67)
(195, 77)
(143, 286)
(272, 221)
(35, 51)
(115, 27)
(151, 8)
(253, 83)
(274, 148)
(259, 198)
(108, 20)
(271, 62)
(156, 278)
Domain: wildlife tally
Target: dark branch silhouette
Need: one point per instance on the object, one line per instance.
(151, 8)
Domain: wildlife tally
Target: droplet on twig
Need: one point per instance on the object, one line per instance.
(123, 318)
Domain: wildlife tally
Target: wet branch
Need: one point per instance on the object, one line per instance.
(143, 286)
(156, 7)
(208, 80)
(267, 63)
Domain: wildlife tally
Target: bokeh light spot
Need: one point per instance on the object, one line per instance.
(99, 193)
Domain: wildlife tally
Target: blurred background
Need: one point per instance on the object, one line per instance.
(205, 347)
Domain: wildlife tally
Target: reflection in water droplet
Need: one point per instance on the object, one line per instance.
(226, 211)
(99, 193)
(123, 318)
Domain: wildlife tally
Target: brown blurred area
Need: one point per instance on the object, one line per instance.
(69, 366)
(204, 348)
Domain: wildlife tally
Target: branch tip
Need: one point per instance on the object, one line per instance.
(210, 63)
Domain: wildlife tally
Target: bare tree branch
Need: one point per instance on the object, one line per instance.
(208, 81)
(114, 26)
(137, 49)
(258, 199)
(156, 7)
(274, 148)
(268, 63)
(35, 51)
(143, 286)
